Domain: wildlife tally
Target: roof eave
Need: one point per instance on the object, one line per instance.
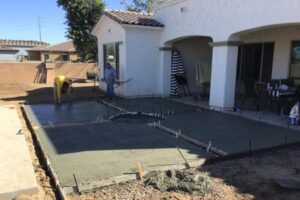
(142, 26)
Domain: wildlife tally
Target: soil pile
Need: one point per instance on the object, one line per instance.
(180, 181)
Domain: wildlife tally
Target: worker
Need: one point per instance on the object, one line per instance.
(62, 85)
(109, 79)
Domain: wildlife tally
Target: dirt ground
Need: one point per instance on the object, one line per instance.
(240, 179)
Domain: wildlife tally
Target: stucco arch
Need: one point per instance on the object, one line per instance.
(236, 36)
(169, 42)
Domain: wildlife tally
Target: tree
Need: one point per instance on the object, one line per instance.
(81, 17)
(139, 5)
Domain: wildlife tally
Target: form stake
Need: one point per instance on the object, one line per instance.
(187, 165)
(285, 139)
(76, 184)
(250, 148)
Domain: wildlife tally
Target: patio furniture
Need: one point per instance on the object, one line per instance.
(246, 91)
(240, 92)
(262, 98)
(283, 98)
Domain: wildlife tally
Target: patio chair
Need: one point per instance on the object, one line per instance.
(245, 91)
(262, 98)
(240, 92)
(288, 82)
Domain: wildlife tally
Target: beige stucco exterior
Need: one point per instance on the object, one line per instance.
(57, 56)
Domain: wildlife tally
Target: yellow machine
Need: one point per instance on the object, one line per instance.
(62, 85)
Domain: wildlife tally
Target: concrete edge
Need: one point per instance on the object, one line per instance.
(113, 106)
(47, 162)
(94, 185)
(71, 124)
(178, 134)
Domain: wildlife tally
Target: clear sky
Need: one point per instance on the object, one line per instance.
(19, 19)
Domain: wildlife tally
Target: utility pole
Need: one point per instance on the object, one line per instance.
(40, 31)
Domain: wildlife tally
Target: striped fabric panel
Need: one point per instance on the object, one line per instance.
(177, 68)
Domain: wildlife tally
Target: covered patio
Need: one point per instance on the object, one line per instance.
(266, 75)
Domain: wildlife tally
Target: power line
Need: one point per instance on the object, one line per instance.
(40, 31)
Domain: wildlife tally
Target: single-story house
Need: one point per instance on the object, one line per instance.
(216, 41)
(64, 51)
(16, 50)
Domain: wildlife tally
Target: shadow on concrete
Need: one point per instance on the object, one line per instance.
(84, 150)
(44, 94)
(112, 137)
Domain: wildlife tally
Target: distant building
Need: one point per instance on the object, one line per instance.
(60, 52)
(13, 50)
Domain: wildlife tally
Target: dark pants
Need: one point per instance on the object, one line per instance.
(110, 89)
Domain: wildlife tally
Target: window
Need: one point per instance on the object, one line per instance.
(295, 60)
(65, 57)
(255, 62)
(46, 57)
(111, 55)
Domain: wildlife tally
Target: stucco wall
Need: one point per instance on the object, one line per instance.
(221, 18)
(111, 32)
(194, 51)
(142, 60)
(283, 38)
(57, 56)
(35, 72)
(21, 73)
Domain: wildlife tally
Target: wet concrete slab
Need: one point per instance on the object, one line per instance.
(101, 151)
(154, 105)
(41, 115)
(231, 133)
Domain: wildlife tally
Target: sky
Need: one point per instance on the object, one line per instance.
(19, 19)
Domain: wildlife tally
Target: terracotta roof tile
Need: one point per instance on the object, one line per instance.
(61, 47)
(133, 18)
(24, 43)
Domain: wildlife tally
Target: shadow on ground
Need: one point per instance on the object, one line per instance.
(257, 177)
(40, 94)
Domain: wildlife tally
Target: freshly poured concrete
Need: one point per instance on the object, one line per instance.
(106, 150)
(41, 115)
(16, 171)
(230, 133)
(154, 105)
(101, 151)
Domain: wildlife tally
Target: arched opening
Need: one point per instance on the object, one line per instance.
(191, 57)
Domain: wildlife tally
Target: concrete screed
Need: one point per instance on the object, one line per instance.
(99, 151)
(16, 171)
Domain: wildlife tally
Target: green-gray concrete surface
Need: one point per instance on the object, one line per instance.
(230, 133)
(100, 151)
(41, 115)
(154, 105)
(104, 150)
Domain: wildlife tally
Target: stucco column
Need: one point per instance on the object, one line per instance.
(223, 77)
(165, 71)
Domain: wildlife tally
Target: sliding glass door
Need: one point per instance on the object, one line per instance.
(255, 62)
